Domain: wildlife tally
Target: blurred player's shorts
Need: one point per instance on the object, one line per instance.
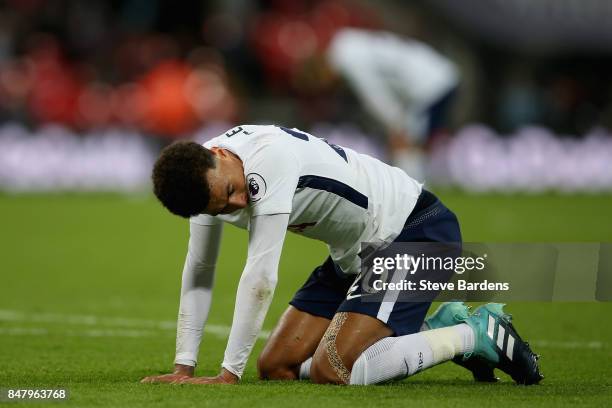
(438, 113)
(423, 122)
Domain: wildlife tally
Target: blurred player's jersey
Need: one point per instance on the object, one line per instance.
(333, 194)
(396, 78)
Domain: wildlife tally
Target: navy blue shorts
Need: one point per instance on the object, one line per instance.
(325, 292)
(438, 112)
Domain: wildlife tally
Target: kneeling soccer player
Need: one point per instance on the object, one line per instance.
(271, 179)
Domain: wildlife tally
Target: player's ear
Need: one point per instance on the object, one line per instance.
(219, 152)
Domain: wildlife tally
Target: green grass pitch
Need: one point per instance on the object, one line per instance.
(89, 289)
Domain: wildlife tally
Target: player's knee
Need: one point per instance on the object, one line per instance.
(270, 368)
(333, 359)
(322, 370)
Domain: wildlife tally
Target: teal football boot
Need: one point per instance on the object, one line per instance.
(450, 314)
(497, 343)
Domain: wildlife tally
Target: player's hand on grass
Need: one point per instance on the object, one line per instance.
(181, 372)
(225, 377)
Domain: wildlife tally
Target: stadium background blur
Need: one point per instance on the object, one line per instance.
(533, 111)
(91, 91)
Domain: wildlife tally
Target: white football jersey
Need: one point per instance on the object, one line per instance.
(331, 193)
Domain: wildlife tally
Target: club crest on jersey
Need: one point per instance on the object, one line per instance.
(257, 187)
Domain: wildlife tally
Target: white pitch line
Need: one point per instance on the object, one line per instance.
(134, 333)
(88, 320)
(131, 327)
(24, 331)
(594, 345)
(113, 322)
(40, 331)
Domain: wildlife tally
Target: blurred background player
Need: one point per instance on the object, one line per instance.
(116, 81)
(403, 83)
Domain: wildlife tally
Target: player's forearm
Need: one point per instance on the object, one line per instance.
(253, 298)
(193, 313)
(196, 291)
(381, 103)
(255, 289)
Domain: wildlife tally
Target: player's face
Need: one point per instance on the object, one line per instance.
(227, 184)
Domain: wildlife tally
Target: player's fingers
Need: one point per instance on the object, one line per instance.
(173, 379)
(200, 380)
(166, 378)
(189, 380)
(181, 379)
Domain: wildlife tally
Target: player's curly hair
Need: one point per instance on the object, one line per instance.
(179, 180)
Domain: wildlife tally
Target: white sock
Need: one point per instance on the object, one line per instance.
(305, 369)
(398, 357)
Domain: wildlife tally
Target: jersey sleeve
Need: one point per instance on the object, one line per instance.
(205, 219)
(272, 175)
(196, 289)
(255, 289)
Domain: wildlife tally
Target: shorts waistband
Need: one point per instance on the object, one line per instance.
(425, 200)
(426, 203)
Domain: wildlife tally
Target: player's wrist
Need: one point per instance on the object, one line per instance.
(183, 369)
(228, 376)
(228, 367)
